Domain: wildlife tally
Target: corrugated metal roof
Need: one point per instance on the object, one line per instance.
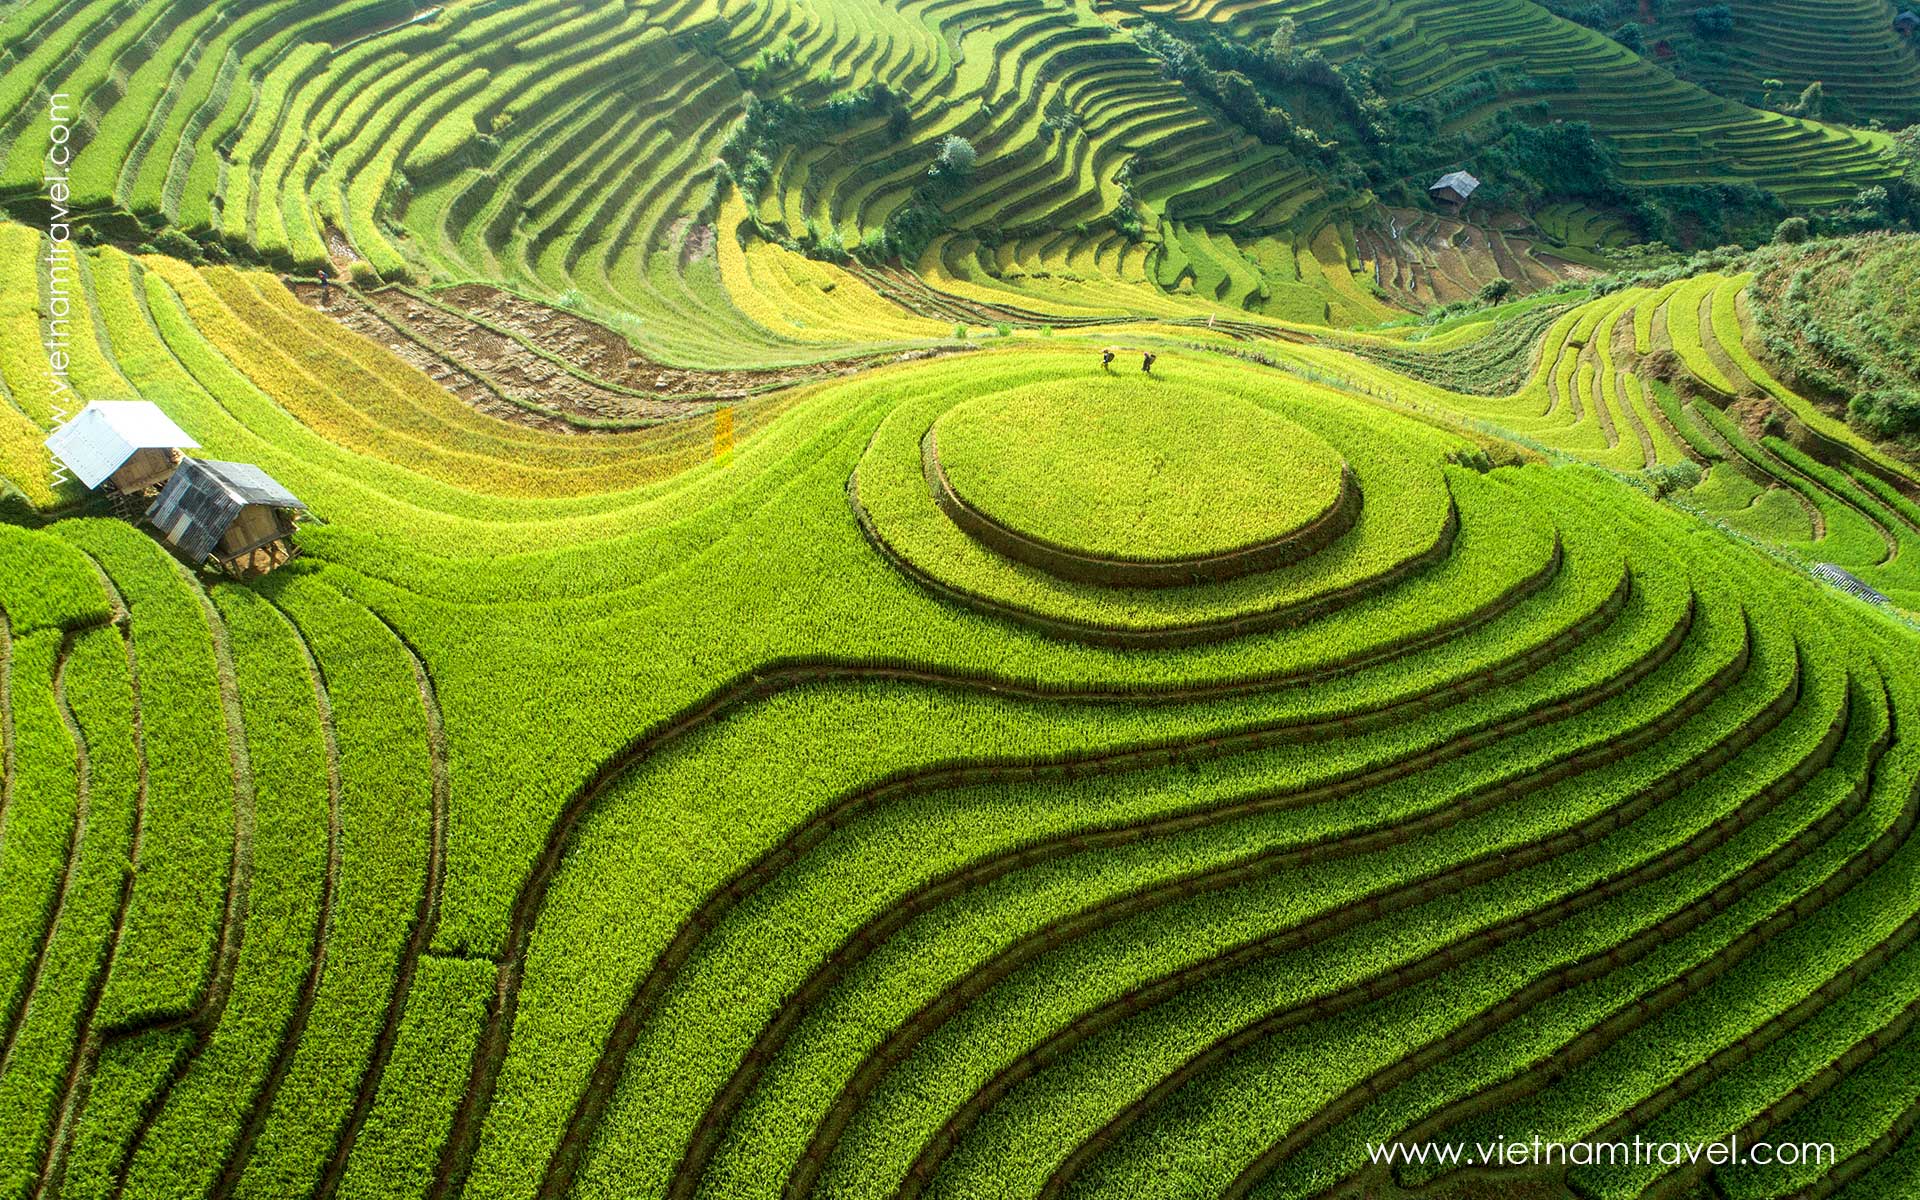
(252, 485)
(203, 497)
(1459, 181)
(1848, 583)
(105, 433)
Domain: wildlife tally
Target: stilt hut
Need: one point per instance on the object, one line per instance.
(1453, 189)
(122, 446)
(234, 514)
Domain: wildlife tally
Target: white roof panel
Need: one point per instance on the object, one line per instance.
(106, 433)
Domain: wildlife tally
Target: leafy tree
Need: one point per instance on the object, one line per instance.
(767, 126)
(1873, 201)
(1713, 21)
(1894, 413)
(1223, 71)
(178, 245)
(1280, 46)
(1673, 477)
(1792, 231)
(1563, 159)
(1632, 36)
(1812, 97)
(1716, 214)
(955, 159)
(1495, 290)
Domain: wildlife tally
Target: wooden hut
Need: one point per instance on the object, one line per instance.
(1453, 189)
(1908, 22)
(234, 514)
(122, 446)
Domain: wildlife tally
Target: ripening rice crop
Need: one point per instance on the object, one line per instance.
(774, 701)
(783, 825)
(1129, 470)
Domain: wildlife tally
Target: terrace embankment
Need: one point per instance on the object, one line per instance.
(1423, 258)
(527, 362)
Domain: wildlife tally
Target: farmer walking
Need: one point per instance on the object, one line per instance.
(1106, 360)
(1146, 361)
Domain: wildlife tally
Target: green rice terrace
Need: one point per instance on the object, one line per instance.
(895, 599)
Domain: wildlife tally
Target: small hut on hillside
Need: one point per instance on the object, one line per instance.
(1453, 189)
(233, 513)
(126, 445)
(1907, 23)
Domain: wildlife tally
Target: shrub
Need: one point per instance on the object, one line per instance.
(1128, 217)
(1280, 44)
(1812, 97)
(912, 227)
(1674, 477)
(1792, 231)
(175, 244)
(1890, 414)
(1713, 21)
(1225, 72)
(955, 159)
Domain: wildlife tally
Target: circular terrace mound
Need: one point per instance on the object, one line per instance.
(1232, 464)
(1130, 483)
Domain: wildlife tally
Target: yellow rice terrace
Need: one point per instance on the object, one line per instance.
(1136, 482)
(893, 600)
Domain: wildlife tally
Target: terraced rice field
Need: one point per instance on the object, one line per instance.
(1851, 47)
(567, 149)
(1647, 378)
(1665, 131)
(1074, 711)
(1424, 258)
(590, 815)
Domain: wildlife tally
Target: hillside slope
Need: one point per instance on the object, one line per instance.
(893, 604)
(567, 148)
(1058, 886)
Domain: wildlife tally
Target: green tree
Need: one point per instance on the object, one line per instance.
(1280, 47)
(955, 159)
(1812, 97)
(1713, 21)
